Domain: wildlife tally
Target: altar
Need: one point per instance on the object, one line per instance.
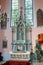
(21, 46)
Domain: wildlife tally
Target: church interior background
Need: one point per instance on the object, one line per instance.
(21, 28)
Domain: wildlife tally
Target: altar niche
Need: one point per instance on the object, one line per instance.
(20, 31)
(20, 44)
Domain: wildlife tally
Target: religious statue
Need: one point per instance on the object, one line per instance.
(4, 21)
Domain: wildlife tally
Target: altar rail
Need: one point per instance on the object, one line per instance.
(19, 56)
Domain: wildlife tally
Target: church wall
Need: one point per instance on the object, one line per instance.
(6, 34)
(35, 32)
(37, 4)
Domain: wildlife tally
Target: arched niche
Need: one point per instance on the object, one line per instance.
(20, 31)
(39, 17)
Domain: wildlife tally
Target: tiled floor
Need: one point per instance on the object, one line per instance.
(38, 63)
(2, 62)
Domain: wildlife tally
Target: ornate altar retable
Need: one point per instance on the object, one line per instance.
(20, 46)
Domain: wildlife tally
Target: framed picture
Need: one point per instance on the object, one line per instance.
(4, 43)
